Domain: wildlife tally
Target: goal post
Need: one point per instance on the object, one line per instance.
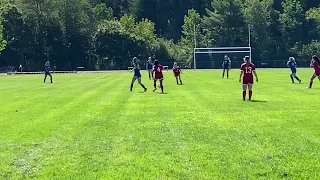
(221, 51)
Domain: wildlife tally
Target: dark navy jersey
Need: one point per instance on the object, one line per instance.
(47, 66)
(136, 71)
(292, 64)
(150, 66)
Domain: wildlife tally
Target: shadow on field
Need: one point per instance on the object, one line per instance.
(160, 93)
(258, 101)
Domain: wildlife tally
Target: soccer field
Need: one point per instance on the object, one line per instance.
(87, 126)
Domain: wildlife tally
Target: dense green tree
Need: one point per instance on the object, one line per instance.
(224, 24)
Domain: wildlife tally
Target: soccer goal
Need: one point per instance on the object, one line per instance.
(211, 58)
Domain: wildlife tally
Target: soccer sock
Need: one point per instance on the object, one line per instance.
(311, 82)
(291, 78)
(155, 84)
(180, 81)
(223, 74)
(227, 74)
(51, 79)
(131, 87)
(177, 80)
(161, 86)
(297, 78)
(142, 86)
(244, 93)
(250, 95)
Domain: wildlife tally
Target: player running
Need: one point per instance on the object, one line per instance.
(226, 64)
(157, 69)
(293, 66)
(47, 72)
(247, 69)
(177, 71)
(137, 74)
(315, 63)
(149, 68)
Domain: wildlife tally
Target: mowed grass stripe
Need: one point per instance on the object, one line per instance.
(201, 130)
(50, 143)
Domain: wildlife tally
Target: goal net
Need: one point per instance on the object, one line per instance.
(212, 58)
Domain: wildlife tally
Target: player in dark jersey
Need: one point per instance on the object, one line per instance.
(47, 72)
(137, 74)
(149, 67)
(226, 64)
(247, 71)
(293, 66)
(157, 70)
(315, 63)
(177, 72)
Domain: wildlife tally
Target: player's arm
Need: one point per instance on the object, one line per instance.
(241, 74)
(311, 64)
(255, 74)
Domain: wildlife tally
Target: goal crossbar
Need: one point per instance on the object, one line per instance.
(219, 50)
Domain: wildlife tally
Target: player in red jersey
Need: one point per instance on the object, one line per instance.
(315, 63)
(247, 71)
(177, 71)
(157, 70)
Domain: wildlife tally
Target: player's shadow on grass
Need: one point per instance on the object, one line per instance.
(160, 93)
(258, 101)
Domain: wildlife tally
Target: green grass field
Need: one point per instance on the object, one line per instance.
(87, 126)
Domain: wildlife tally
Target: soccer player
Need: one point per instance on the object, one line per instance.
(177, 71)
(157, 69)
(315, 63)
(149, 67)
(137, 74)
(47, 72)
(226, 66)
(247, 69)
(293, 66)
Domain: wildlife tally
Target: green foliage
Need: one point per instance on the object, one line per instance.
(67, 32)
(224, 23)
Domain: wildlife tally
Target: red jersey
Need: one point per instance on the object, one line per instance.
(176, 71)
(315, 65)
(247, 73)
(158, 71)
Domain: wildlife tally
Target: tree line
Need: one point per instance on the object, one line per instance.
(106, 34)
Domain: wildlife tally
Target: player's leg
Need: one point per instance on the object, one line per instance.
(250, 91)
(45, 77)
(180, 79)
(155, 84)
(50, 77)
(311, 80)
(297, 78)
(132, 82)
(291, 76)
(139, 81)
(161, 85)
(244, 91)
(224, 70)
(150, 74)
(228, 73)
(177, 80)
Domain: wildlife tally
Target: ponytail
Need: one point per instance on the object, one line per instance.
(316, 59)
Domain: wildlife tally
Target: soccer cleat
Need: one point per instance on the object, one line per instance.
(145, 89)
(154, 90)
(300, 81)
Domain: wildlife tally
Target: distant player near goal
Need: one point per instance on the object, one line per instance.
(47, 72)
(137, 74)
(315, 63)
(177, 72)
(226, 66)
(158, 75)
(293, 66)
(149, 67)
(246, 75)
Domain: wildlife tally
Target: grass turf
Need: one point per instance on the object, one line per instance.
(87, 126)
